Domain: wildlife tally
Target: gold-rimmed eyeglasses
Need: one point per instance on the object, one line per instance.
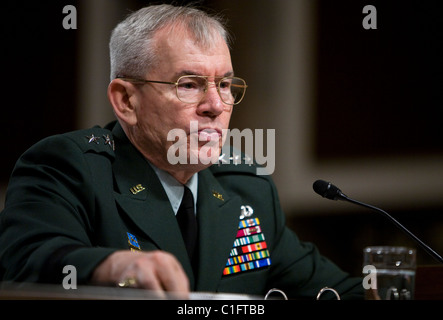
(193, 88)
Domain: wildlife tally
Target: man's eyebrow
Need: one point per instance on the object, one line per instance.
(189, 73)
(229, 74)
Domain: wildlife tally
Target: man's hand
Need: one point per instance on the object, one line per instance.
(155, 270)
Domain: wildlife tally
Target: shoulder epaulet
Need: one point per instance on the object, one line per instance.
(95, 139)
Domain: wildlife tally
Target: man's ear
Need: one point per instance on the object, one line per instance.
(121, 95)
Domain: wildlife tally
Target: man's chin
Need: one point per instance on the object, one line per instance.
(204, 158)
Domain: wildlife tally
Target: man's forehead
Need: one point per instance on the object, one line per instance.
(178, 35)
(180, 54)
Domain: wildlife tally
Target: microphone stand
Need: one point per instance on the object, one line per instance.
(429, 250)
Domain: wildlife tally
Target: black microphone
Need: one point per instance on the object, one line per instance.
(329, 191)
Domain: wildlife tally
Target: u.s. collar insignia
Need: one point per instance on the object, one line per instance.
(136, 189)
(133, 243)
(246, 211)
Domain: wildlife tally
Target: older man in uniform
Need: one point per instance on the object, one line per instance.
(108, 201)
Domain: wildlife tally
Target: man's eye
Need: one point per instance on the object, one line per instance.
(225, 84)
(189, 85)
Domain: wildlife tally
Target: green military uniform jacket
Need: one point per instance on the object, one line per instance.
(75, 198)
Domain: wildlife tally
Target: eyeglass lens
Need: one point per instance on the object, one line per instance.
(191, 89)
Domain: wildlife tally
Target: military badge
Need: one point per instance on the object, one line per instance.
(109, 142)
(133, 243)
(246, 212)
(92, 139)
(250, 250)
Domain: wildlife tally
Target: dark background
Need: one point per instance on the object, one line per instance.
(379, 91)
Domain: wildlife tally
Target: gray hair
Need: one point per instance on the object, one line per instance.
(132, 49)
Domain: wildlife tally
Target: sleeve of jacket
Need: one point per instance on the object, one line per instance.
(48, 218)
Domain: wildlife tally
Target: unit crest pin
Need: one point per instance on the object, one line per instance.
(246, 211)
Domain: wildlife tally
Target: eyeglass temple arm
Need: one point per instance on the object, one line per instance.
(143, 80)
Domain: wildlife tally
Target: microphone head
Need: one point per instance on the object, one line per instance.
(328, 190)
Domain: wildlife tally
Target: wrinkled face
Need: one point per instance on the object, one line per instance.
(195, 130)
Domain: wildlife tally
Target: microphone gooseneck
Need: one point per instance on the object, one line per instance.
(329, 191)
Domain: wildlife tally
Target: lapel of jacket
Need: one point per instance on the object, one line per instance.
(218, 217)
(146, 205)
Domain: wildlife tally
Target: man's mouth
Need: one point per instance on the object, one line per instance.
(209, 134)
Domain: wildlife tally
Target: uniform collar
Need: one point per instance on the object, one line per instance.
(174, 189)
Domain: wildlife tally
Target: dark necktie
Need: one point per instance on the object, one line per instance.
(188, 223)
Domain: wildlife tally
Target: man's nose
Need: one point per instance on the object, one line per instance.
(212, 104)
